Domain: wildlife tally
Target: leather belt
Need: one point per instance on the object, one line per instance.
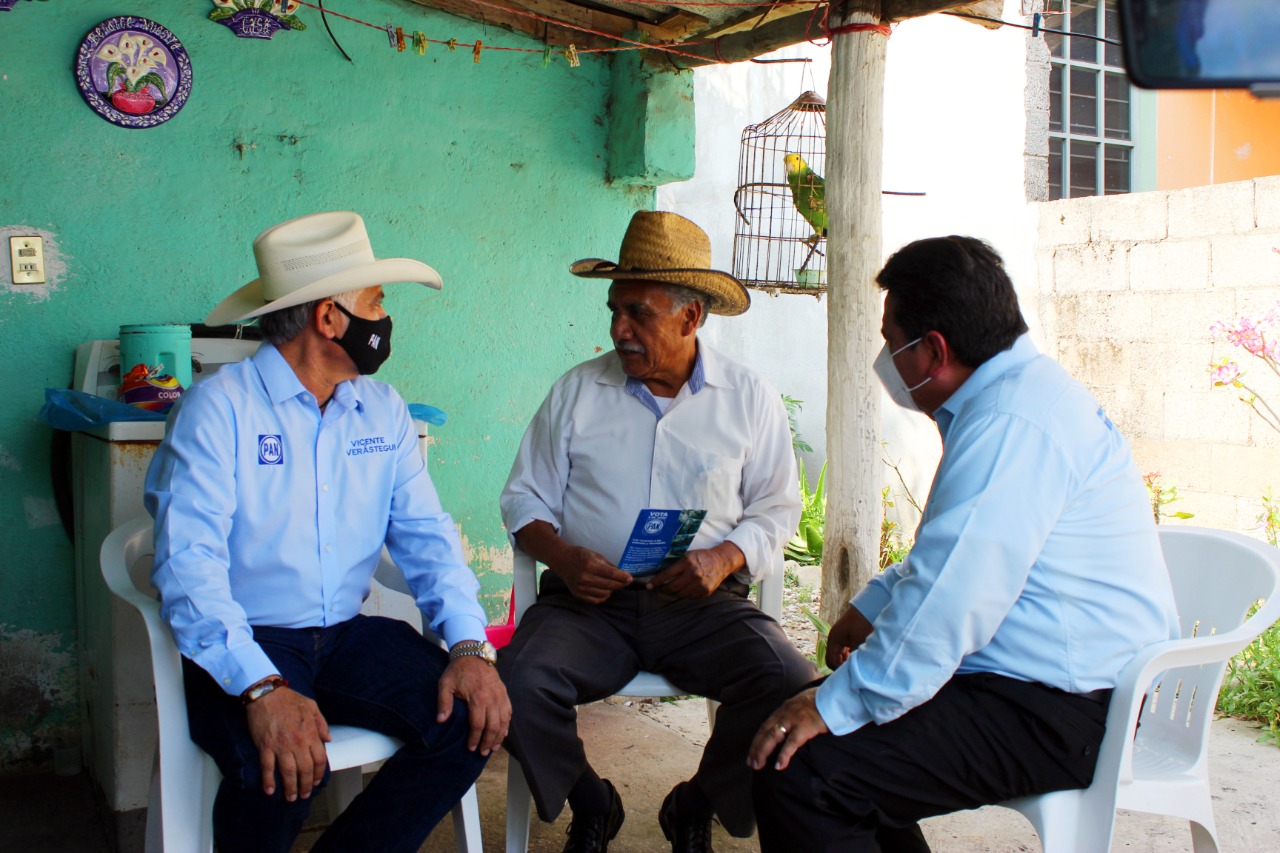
(1102, 695)
(730, 585)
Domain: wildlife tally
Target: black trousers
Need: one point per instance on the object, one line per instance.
(567, 652)
(982, 739)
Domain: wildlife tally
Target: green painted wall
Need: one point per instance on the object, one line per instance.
(493, 173)
(651, 122)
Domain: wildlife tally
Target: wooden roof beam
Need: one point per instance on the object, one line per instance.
(783, 32)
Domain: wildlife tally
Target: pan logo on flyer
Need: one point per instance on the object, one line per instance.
(659, 538)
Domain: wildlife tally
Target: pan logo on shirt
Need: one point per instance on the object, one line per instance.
(370, 444)
(270, 450)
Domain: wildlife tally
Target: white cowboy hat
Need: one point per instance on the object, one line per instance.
(314, 257)
(667, 248)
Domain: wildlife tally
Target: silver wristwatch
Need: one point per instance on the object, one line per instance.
(482, 649)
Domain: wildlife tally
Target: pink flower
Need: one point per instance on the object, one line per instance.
(1224, 372)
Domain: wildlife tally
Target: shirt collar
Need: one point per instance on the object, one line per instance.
(283, 384)
(1022, 351)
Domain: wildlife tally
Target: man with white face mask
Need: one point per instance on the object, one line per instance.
(980, 668)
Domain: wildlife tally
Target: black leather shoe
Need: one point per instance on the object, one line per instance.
(686, 836)
(592, 833)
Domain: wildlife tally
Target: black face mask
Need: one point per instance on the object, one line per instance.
(368, 342)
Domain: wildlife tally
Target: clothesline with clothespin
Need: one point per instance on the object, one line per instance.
(399, 39)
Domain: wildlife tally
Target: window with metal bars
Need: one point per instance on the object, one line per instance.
(1091, 116)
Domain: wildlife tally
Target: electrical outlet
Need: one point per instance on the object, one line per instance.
(27, 255)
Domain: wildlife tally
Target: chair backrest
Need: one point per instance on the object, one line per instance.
(524, 586)
(184, 771)
(1216, 577)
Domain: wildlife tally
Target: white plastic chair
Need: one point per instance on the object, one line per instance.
(185, 779)
(1164, 768)
(645, 684)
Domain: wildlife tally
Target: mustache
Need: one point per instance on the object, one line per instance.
(628, 346)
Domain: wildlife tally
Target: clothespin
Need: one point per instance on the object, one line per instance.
(475, 52)
(452, 43)
(1035, 25)
(546, 56)
(399, 40)
(391, 34)
(571, 54)
(420, 42)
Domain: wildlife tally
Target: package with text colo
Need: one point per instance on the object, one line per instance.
(660, 537)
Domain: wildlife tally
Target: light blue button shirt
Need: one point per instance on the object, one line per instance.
(269, 512)
(697, 380)
(1036, 557)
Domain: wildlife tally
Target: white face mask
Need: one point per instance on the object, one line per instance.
(892, 379)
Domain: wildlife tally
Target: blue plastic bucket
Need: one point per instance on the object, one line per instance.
(155, 365)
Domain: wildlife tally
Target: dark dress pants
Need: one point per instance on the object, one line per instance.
(982, 739)
(372, 672)
(567, 652)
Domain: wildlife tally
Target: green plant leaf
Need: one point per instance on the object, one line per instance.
(820, 492)
(114, 70)
(153, 78)
(219, 14)
(293, 22)
(813, 539)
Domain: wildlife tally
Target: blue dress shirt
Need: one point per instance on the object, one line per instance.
(269, 512)
(1036, 557)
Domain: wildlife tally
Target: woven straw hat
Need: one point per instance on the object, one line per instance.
(314, 257)
(667, 248)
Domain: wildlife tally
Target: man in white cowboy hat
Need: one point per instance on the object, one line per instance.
(661, 421)
(278, 483)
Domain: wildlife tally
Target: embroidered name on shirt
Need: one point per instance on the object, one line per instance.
(373, 444)
(270, 450)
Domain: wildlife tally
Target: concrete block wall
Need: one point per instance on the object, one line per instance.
(1128, 287)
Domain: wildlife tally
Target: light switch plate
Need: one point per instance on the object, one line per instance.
(27, 257)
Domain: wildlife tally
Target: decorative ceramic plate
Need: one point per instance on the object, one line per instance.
(133, 72)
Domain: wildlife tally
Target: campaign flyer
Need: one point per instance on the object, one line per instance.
(660, 537)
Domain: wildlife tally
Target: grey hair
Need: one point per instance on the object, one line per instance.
(681, 296)
(280, 327)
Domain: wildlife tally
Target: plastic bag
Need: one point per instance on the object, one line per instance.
(430, 414)
(76, 411)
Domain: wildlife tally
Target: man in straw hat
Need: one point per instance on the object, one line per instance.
(660, 422)
(274, 491)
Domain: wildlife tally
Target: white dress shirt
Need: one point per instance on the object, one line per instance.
(1036, 558)
(597, 452)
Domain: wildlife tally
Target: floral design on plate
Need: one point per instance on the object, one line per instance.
(133, 72)
(257, 19)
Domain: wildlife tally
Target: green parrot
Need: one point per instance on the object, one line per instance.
(808, 192)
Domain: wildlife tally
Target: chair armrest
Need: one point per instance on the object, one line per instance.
(771, 591)
(1142, 671)
(524, 581)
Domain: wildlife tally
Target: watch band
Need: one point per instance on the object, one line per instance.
(262, 688)
(482, 649)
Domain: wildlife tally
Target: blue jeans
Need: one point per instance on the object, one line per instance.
(371, 672)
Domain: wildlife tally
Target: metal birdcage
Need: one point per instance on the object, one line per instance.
(775, 247)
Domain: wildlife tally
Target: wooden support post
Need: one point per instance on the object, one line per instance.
(855, 139)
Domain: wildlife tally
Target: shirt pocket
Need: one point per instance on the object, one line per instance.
(711, 481)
